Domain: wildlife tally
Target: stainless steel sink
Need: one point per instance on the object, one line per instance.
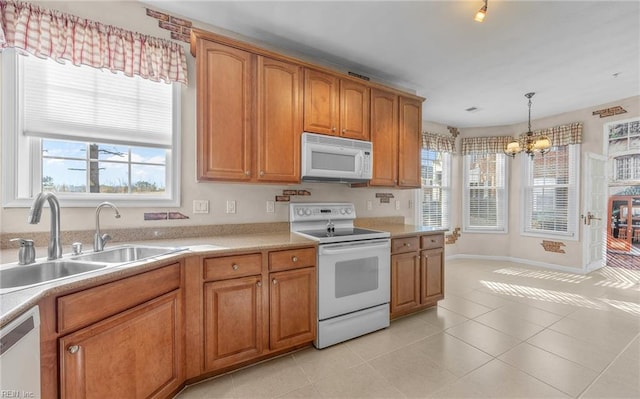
(43, 272)
(124, 254)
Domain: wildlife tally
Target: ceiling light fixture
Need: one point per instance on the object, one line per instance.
(482, 12)
(529, 144)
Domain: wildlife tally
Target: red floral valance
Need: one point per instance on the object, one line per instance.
(60, 36)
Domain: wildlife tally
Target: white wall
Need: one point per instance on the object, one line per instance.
(251, 198)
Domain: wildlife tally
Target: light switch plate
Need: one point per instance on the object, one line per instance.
(231, 206)
(271, 206)
(397, 205)
(200, 206)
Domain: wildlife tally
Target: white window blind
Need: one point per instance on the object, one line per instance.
(550, 192)
(485, 194)
(436, 188)
(84, 103)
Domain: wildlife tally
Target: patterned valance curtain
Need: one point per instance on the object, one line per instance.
(484, 145)
(432, 141)
(563, 134)
(60, 36)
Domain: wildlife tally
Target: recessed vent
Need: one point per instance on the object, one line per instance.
(472, 109)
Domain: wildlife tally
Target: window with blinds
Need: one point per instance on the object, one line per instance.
(485, 193)
(436, 189)
(88, 134)
(550, 192)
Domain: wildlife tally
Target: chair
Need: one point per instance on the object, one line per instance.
(622, 233)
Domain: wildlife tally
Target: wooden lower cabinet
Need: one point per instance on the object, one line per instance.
(417, 273)
(405, 280)
(292, 305)
(135, 354)
(432, 280)
(253, 316)
(232, 321)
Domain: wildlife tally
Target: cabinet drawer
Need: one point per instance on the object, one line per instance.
(85, 307)
(232, 266)
(401, 245)
(292, 259)
(432, 241)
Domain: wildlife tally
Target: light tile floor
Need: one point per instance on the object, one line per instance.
(503, 331)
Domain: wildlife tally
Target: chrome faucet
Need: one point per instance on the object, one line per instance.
(55, 246)
(99, 240)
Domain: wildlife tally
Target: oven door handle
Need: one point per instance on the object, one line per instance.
(353, 247)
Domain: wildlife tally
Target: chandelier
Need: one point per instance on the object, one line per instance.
(529, 144)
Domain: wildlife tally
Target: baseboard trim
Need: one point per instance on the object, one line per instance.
(527, 262)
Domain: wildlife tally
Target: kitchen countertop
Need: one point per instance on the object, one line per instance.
(14, 303)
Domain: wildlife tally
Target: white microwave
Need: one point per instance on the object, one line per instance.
(335, 159)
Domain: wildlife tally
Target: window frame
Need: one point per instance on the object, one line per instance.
(445, 188)
(503, 212)
(573, 225)
(28, 173)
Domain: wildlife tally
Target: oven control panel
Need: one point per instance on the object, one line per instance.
(333, 211)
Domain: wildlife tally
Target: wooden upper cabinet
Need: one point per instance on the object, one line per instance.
(384, 136)
(354, 110)
(224, 111)
(409, 142)
(279, 120)
(334, 106)
(320, 102)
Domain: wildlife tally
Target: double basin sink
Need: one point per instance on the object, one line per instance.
(24, 276)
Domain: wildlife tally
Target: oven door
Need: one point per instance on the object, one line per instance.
(352, 276)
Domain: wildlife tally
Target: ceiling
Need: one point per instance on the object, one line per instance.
(573, 54)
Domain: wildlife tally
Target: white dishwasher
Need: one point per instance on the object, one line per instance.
(20, 356)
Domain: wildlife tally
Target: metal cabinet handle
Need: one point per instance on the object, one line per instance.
(344, 131)
(259, 283)
(262, 173)
(247, 172)
(234, 267)
(73, 349)
(294, 258)
(274, 281)
(333, 129)
(407, 244)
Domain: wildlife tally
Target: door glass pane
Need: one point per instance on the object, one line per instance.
(356, 276)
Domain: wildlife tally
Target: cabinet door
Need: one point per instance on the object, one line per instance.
(232, 321)
(432, 284)
(224, 110)
(279, 120)
(137, 354)
(320, 102)
(355, 105)
(292, 307)
(405, 282)
(384, 136)
(410, 143)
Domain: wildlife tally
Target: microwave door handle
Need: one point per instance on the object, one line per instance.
(360, 163)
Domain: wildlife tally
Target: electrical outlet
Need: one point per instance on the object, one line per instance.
(271, 206)
(200, 206)
(231, 206)
(369, 205)
(397, 205)
(410, 204)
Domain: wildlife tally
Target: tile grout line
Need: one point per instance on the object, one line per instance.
(637, 336)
